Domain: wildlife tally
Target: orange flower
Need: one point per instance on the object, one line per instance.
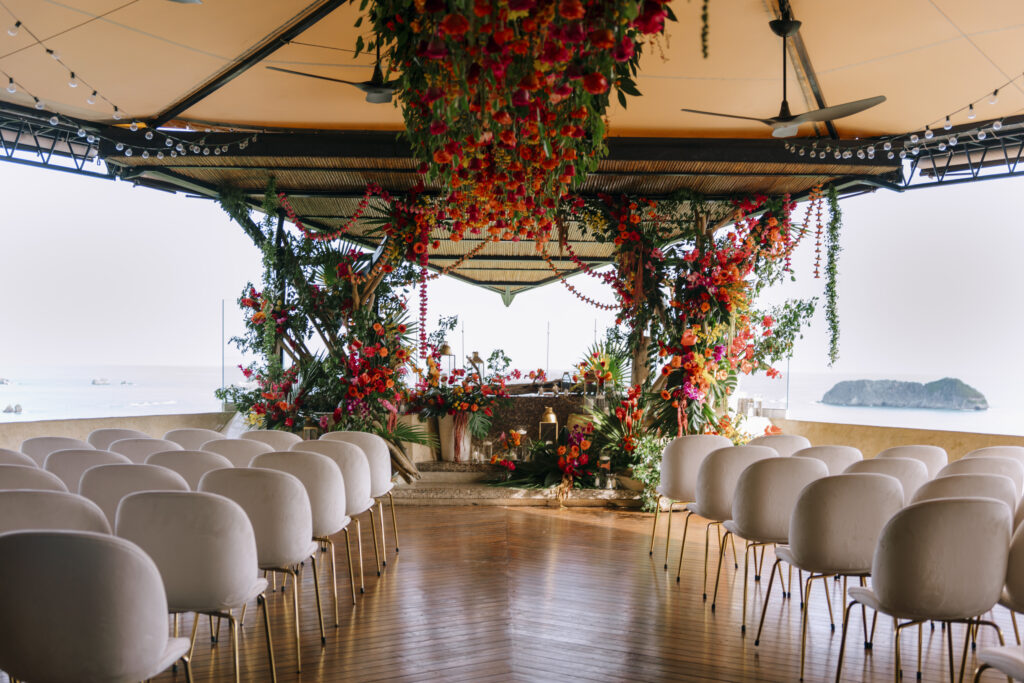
(665, 395)
(561, 450)
(585, 445)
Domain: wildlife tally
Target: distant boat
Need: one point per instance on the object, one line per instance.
(101, 382)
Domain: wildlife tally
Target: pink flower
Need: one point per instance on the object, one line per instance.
(624, 50)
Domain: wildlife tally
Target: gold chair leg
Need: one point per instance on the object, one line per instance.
(686, 526)
(1013, 620)
(351, 573)
(233, 623)
(746, 567)
(920, 647)
(707, 542)
(948, 628)
(842, 642)
(373, 531)
(295, 611)
(668, 532)
(654, 527)
(803, 621)
(359, 547)
(828, 599)
(767, 594)
(982, 669)
(261, 599)
(334, 582)
(319, 607)
(195, 629)
(718, 573)
(383, 542)
(188, 669)
(735, 558)
(394, 519)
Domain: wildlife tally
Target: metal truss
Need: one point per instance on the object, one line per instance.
(33, 141)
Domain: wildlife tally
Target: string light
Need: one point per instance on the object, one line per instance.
(10, 86)
(994, 97)
(13, 30)
(970, 112)
(73, 82)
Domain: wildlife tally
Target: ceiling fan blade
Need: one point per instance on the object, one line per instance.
(838, 111)
(728, 116)
(322, 78)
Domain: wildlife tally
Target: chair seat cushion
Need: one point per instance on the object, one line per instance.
(175, 650)
(384, 491)
(868, 598)
(1009, 660)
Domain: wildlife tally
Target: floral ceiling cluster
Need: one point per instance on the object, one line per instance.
(504, 102)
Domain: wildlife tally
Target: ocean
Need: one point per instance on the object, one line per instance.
(65, 393)
(58, 393)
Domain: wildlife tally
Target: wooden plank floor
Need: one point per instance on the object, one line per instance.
(535, 594)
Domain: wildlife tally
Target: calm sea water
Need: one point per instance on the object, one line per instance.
(62, 393)
(801, 394)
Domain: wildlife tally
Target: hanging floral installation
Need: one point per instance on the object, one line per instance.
(504, 102)
(835, 225)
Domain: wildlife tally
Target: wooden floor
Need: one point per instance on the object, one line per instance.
(535, 594)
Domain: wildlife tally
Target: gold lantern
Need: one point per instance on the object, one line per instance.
(547, 430)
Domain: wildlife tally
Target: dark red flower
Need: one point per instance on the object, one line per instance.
(454, 25)
(624, 50)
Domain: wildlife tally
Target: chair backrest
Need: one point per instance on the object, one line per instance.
(69, 465)
(9, 457)
(137, 450)
(766, 493)
(355, 471)
(996, 486)
(277, 506)
(324, 485)
(38, 447)
(13, 477)
(717, 477)
(192, 438)
(911, 473)
(191, 465)
(784, 444)
(988, 464)
(1015, 452)
(680, 461)
(106, 485)
(932, 563)
(277, 439)
(24, 510)
(836, 458)
(203, 544)
(933, 457)
(87, 607)
(1018, 517)
(378, 455)
(836, 521)
(1014, 593)
(103, 437)
(239, 451)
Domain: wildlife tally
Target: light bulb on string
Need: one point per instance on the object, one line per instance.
(982, 135)
(887, 146)
(168, 142)
(53, 53)
(903, 154)
(838, 154)
(133, 126)
(13, 30)
(174, 154)
(914, 138)
(801, 151)
(145, 154)
(128, 152)
(915, 150)
(814, 154)
(72, 82)
(91, 99)
(861, 154)
(117, 113)
(890, 155)
(39, 103)
(994, 97)
(952, 140)
(10, 85)
(90, 139)
(970, 112)
(928, 134)
(159, 155)
(149, 135)
(847, 154)
(996, 125)
(942, 146)
(948, 124)
(54, 120)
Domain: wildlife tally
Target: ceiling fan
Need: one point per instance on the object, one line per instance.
(378, 91)
(786, 124)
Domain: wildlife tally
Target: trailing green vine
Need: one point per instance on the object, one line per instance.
(833, 248)
(704, 29)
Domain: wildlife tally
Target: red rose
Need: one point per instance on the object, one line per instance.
(602, 39)
(595, 83)
(438, 127)
(454, 25)
(571, 9)
(624, 51)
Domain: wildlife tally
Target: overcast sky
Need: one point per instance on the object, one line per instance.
(98, 272)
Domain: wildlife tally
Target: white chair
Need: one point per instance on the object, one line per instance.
(26, 510)
(933, 457)
(931, 564)
(239, 451)
(833, 532)
(13, 477)
(192, 438)
(716, 483)
(137, 450)
(38, 447)
(836, 458)
(205, 548)
(191, 465)
(355, 471)
(784, 444)
(996, 486)
(762, 504)
(1009, 660)
(9, 457)
(1015, 452)
(378, 455)
(106, 485)
(69, 465)
(911, 473)
(680, 461)
(103, 437)
(278, 508)
(988, 464)
(277, 439)
(326, 490)
(87, 607)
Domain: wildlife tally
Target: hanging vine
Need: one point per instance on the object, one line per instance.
(832, 247)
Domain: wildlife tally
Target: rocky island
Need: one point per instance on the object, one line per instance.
(944, 394)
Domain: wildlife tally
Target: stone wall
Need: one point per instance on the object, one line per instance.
(525, 412)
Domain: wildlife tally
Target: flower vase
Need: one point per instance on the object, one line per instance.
(455, 437)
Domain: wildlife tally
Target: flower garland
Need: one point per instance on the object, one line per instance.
(814, 205)
(286, 204)
(833, 247)
(579, 295)
(504, 101)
